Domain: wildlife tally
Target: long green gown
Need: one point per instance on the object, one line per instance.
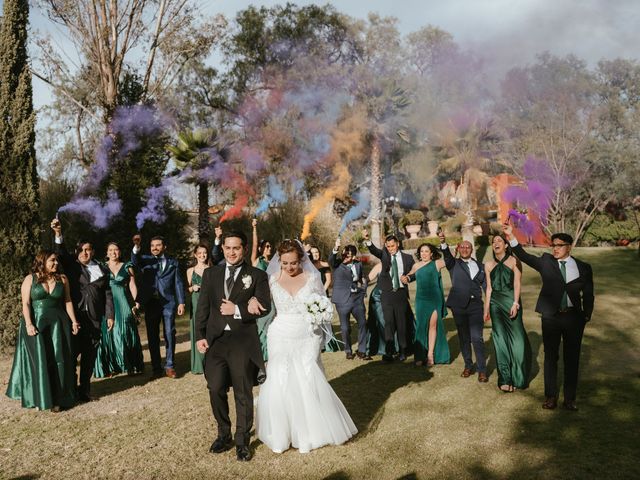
(513, 351)
(120, 349)
(263, 322)
(197, 358)
(43, 371)
(430, 298)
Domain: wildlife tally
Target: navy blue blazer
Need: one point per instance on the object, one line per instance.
(463, 287)
(167, 284)
(343, 280)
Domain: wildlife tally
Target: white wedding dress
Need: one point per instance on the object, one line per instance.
(297, 406)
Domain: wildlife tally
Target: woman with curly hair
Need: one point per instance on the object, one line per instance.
(43, 371)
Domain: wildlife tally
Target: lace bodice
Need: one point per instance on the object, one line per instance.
(296, 304)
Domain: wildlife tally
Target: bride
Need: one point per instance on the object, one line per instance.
(297, 406)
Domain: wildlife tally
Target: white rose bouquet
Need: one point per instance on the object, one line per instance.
(319, 312)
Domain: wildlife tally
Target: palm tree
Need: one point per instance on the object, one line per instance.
(193, 152)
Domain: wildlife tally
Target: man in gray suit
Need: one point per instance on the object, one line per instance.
(348, 294)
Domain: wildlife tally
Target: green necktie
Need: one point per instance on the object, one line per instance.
(394, 273)
(563, 269)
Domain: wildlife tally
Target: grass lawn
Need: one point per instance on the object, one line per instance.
(414, 423)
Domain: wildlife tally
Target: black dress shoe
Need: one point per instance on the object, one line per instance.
(363, 356)
(402, 357)
(157, 374)
(85, 397)
(571, 406)
(243, 454)
(387, 358)
(221, 444)
(550, 403)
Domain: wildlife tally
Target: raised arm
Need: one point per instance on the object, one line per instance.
(374, 272)
(449, 259)
(254, 243)
(335, 259)
(216, 252)
(375, 251)
(531, 260)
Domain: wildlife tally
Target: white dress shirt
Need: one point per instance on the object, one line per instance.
(237, 314)
(473, 267)
(94, 270)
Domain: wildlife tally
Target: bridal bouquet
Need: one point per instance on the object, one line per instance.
(319, 311)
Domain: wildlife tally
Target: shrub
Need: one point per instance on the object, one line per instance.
(412, 217)
(606, 230)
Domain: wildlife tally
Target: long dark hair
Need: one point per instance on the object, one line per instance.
(206, 247)
(39, 267)
(435, 253)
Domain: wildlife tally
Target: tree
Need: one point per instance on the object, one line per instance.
(107, 33)
(18, 174)
(551, 110)
(198, 150)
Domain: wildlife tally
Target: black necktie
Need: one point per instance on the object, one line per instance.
(231, 278)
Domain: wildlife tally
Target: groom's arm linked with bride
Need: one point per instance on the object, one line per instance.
(226, 333)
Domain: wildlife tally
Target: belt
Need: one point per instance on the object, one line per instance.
(566, 310)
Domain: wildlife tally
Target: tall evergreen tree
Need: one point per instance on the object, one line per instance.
(18, 174)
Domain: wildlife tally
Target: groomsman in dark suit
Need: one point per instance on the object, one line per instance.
(394, 295)
(566, 304)
(162, 296)
(226, 334)
(349, 290)
(92, 302)
(465, 301)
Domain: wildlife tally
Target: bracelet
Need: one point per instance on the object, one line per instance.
(516, 304)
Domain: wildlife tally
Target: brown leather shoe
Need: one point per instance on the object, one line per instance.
(170, 372)
(482, 377)
(550, 403)
(350, 356)
(466, 373)
(363, 356)
(571, 406)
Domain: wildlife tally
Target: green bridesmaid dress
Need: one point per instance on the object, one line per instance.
(120, 349)
(429, 299)
(513, 351)
(43, 371)
(263, 322)
(197, 358)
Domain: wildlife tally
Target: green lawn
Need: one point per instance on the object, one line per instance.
(414, 423)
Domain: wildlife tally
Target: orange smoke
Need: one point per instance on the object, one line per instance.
(346, 148)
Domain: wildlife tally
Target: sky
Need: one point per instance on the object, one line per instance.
(506, 33)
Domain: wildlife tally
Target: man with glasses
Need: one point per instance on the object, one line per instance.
(566, 304)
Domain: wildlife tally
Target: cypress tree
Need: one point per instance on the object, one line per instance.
(18, 168)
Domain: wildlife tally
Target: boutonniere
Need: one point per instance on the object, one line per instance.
(246, 281)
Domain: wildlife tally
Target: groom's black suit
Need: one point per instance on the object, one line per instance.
(234, 356)
(561, 325)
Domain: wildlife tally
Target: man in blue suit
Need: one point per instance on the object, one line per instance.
(162, 296)
(348, 294)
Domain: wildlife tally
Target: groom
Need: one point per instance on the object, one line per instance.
(226, 333)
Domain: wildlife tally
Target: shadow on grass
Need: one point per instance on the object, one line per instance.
(120, 383)
(28, 476)
(367, 410)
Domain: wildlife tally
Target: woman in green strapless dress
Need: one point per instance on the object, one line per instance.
(194, 280)
(502, 307)
(260, 255)
(430, 337)
(120, 349)
(43, 371)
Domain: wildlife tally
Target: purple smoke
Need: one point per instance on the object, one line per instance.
(363, 199)
(153, 211)
(130, 125)
(521, 221)
(98, 212)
